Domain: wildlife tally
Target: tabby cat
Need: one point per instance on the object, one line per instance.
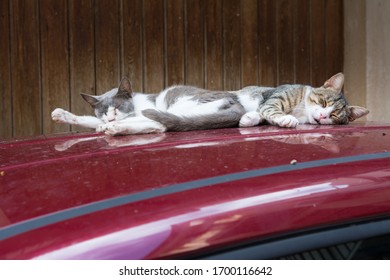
(184, 108)
(290, 105)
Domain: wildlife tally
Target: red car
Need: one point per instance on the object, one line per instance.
(314, 192)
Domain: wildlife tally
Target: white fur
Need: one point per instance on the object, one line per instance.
(185, 107)
(160, 100)
(247, 102)
(318, 113)
(62, 116)
(287, 121)
(250, 119)
(133, 125)
(141, 102)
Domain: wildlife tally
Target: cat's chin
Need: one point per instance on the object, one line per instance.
(320, 122)
(312, 120)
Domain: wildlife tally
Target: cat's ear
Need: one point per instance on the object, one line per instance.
(336, 82)
(92, 100)
(125, 86)
(356, 112)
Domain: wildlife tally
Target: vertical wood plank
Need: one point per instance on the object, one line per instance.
(249, 43)
(174, 62)
(107, 44)
(5, 73)
(267, 43)
(231, 45)
(132, 43)
(82, 55)
(55, 61)
(195, 43)
(153, 45)
(302, 42)
(285, 42)
(317, 18)
(25, 63)
(213, 45)
(334, 37)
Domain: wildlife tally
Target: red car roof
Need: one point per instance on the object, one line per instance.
(164, 195)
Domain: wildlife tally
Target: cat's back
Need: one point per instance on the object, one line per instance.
(291, 90)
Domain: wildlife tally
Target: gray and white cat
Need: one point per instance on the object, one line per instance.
(185, 108)
(122, 111)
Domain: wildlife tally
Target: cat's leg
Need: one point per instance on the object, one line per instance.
(250, 119)
(133, 125)
(286, 121)
(62, 116)
(274, 115)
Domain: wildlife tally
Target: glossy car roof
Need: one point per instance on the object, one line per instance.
(166, 195)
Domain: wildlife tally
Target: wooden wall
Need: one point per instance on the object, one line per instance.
(51, 50)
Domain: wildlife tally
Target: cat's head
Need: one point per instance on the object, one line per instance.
(327, 104)
(113, 105)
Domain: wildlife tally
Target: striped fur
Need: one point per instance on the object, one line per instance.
(290, 105)
(184, 108)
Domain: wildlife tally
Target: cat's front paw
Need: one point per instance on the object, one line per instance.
(111, 129)
(249, 119)
(287, 121)
(61, 116)
(101, 127)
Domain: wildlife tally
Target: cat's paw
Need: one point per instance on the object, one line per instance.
(249, 119)
(287, 121)
(111, 129)
(61, 116)
(101, 127)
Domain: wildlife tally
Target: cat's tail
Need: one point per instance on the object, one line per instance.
(225, 118)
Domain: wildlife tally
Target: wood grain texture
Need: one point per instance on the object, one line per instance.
(5, 73)
(57, 49)
(25, 68)
(81, 55)
(154, 46)
(231, 45)
(55, 60)
(194, 43)
(268, 43)
(285, 39)
(302, 51)
(318, 39)
(249, 43)
(334, 37)
(107, 45)
(132, 43)
(213, 45)
(174, 58)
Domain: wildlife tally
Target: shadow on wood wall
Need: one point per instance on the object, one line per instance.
(59, 48)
